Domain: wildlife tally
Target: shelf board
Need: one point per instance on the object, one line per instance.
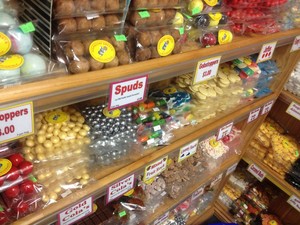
(289, 97)
(170, 203)
(68, 89)
(274, 177)
(222, 212)
(199, 219)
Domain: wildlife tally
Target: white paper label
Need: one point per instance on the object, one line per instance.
(156, 109)
(127, 92)
(161, 219)
(294, 110)
(16, 122)
(197, 193)
(295, 202)
(266, 52)
(156, 128)
(231, 169)
(207, 69)
(296, 44)
(253, 115)
(119, 188)
(224, 131)
(216, 180)
(155, 168)
(267, 107)
(188, 150)
(257, 172)
(76, 212)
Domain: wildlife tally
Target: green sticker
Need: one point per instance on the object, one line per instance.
(187, 16)
(1, 209)
(32, 178)
(181, 30)
(121, 37)
(144, 14)
(27, 27)
(121, 214)
(297, 153)
(196, 11)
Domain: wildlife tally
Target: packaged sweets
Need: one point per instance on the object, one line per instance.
(195, 7)
(293, 84)
(142, 4)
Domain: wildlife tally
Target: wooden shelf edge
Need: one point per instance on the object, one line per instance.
(65, 90)
(272, 175)
(289, 97)
(222, 213)
(199, 219)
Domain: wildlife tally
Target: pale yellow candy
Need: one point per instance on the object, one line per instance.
(44, 127)
(53, 195)
(62, 135)
(85, 176)
(29, 143)
(80, 119)
(39, 149)
(26, 150)
(47, 144)
(83, 182)
(64, 128)
(50, 129)
(76, 129)
(41, 132)
(79, 125)
(86, 127)
(73, 118)
(48, 135)
(83, 132)
(41, 177)
(71, 125)
(29, 157)
(41, 138)
(45, 198)
(41, 156)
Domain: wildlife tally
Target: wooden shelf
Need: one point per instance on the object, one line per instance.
(289, 97)
(222, 212)
(170, 203)
(65, 90)
(199, 219)
(274, 177)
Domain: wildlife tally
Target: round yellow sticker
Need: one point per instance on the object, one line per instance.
(214, 143)
(57, 117)
(224, 37)
(150, 181)
(5, 44)
(165, 45)
(5, 166)
(102, 51)
(111, 114)
(211, 2)
(11, 62)
(130, 192)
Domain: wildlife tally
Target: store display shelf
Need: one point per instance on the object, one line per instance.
(169, 203)
(289, 97)
(65, 90)
(136, 164)
(222, 212)
(199, 219)
(274, 177)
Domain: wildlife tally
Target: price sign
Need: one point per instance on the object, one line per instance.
(188, 150)
(253, 115)
(257, 172)
(76, 212)
(295, 202)
(224, 131)
(16, 122)
(162, 219)
(266, 52)
(119, 188)
(207, 69)
(155, 168)
(197, 193)
(231, 169)
(216, 180)
(267, 107)
(127, 92)
(294, 110)
(296, 44)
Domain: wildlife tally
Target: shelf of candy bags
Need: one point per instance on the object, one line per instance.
(21, 60)
(293, 84)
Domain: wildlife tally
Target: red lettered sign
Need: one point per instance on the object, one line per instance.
(207, 69)
(296, 44)
(257, 172)
(266, 52)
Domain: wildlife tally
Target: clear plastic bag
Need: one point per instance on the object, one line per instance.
(155, 4)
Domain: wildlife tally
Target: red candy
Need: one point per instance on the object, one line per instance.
(16, 159)
(12, 192)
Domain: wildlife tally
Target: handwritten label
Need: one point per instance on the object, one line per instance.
(267, 107)
(119, 188)
(188, 150)
(266, 52)
(216, 180)
(162, 219)
(257, 172)
(207, 69)
(155, 168)
(16, 122)
(231, 169)
(295, 202)
(224, 131)
(76, 212)
(127, 92)
(294, 110)
(296, 44)
(198, 193)
(253, 115)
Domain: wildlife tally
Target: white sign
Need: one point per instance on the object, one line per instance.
(216, 180)
(253, 115)
(266, 52)
(295, 202)
(127, 92)
(197, 193)
(296, 44)
(207, 69)
(294, 110)
(224, 131)
(76, 212)
(119, 188)
(188, 150)
(162, 219)
(267, 107)
(16, 122)
(257, 172)
(231, 169)
(155, 168)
